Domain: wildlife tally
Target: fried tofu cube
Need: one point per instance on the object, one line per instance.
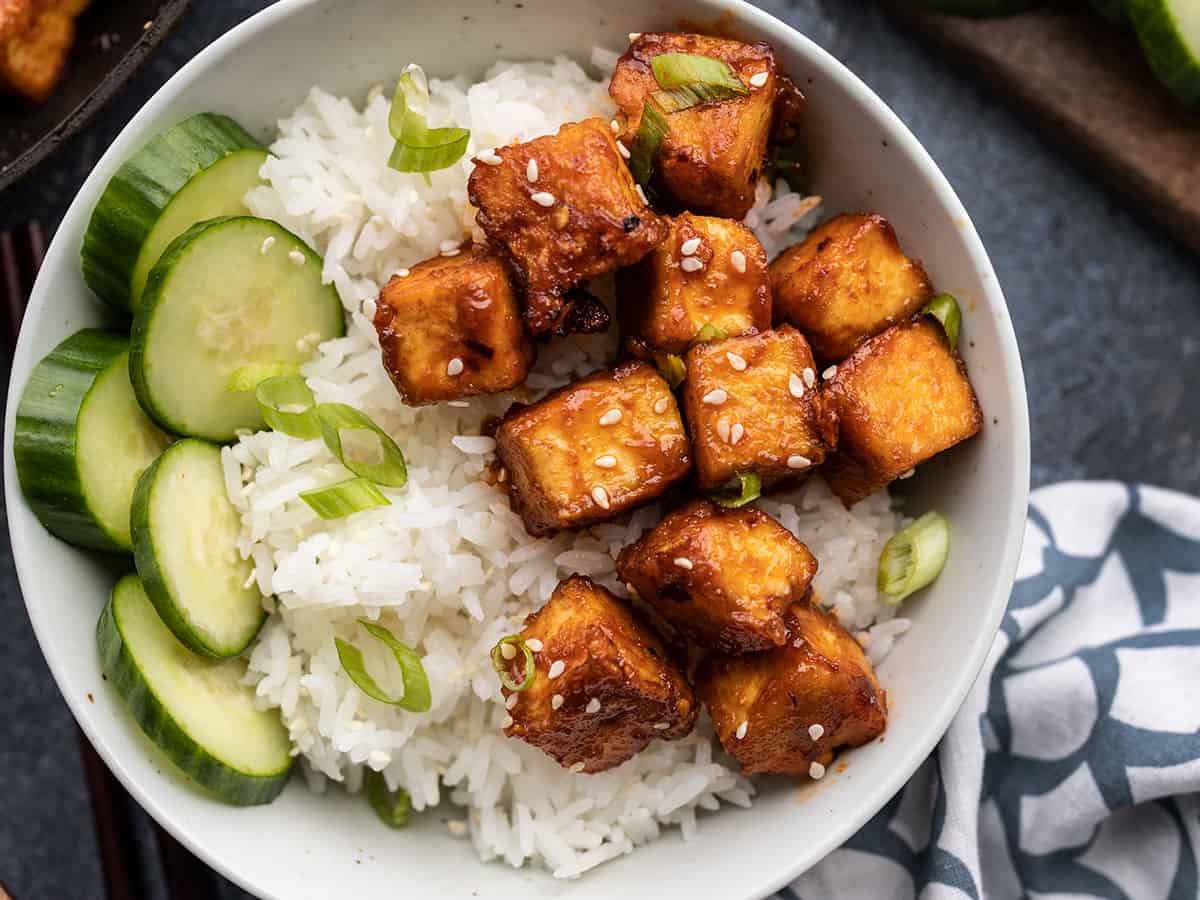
(604, 685)
(846, 282)
(451, 328)
(566, 209)
(32, 57)
(752, 405)
(593, 449)
(707, 272)
(710, 160)
(723, 578)
(15, 17)
(902, 398)
(785, 709)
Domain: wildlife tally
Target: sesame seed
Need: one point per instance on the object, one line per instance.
(445, 246)
(738, 258)
(691, 264)
(798, 462)
(454, 367)
(607, 461)
(829, 373)
(810, 378)
(661, 726)
(453, 252)
(723, 429)
(815, 731)
(758, 79)
(741, 730)
(716, 398)
(615, 126)
(457, 827)
(402, 273)
(909, 474)
(267, 243)
(543, 198)
(556, 701)
(738, 362)
(634, 35)
(296, 257)
(641, 194)
(623, 150)
(535, 645)
(593, 706)
(556, 668)
(817, 771)
(660, 405)
(690, 246)
(511, 701)
(684, 563)
(507, 723)
(489, 158)
(577, 767)
(795, 386)
(612, 417)
(632, 590)
(482, 303)
(600, 495)
(531, 170)
(736, 433)
(508, 651)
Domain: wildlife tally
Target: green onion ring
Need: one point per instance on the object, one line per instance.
(420, 148)
(671, 368)
(945, 309)
(392, 807)
(417, 697)
(673, 70)
(914, 557)
(709, 332)
(288, 406)
(646, 143)
(337, 418)
(743, 488)
(502, 665)
(344, 498)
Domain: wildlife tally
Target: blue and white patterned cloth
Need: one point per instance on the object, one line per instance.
(1073, 769)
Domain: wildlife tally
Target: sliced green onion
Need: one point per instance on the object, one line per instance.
(686, 96)
(672, 70)
(743, 488)
(502, 665)
(288, 406)
(945, 309)
(914, 557)
(392, 807)
(360, 445)
(416, 683)
(247, 378)
(344, 498)
(420, 148)
(671, 368)
(790, 163)
(709, 332)
(644, 153)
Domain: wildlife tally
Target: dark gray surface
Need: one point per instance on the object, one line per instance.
(1107, 310)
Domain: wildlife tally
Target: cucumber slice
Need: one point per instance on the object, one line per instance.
(979, 8)
(1170, 34)
(227, 293)
(185, 534)
(196, 710)
(197, 170)
(81, 441)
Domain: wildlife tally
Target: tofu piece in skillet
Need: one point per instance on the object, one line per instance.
(848, 281)
(707, 272)
(566, 209)
(787, 710)
(753, 405)
(451, 328)
(902, 398)
(35, 43)
(723, 578)
(604, 684)
(713, 154)
(592, 450)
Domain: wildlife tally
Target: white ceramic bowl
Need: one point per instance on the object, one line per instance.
(865, 159)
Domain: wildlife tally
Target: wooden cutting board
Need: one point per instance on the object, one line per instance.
(1085, 83)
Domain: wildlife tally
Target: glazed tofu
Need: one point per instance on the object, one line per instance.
(710, 160)
(722, 578)
(604, 685)
(785, 709)
(593, 449)
(566, 209)
(752, 405)
(848, 281)
(35, 41)
(707, 272)
(902, 398)
(451, 328)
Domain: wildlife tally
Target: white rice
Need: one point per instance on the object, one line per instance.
(447, 566)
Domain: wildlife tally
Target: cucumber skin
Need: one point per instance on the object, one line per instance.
(157, 723)
(140, 190)
(44, 437)
(1176, 65)
(145, 559)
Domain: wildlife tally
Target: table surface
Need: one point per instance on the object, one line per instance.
(1106, 307)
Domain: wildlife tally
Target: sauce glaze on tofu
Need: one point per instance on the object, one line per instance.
(566, 209)
(593, 449)
(604, 687)
(721, 578)
(785, 709)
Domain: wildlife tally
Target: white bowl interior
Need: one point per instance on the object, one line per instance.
(864, 159)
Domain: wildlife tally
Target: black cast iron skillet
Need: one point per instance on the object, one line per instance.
(113, 39)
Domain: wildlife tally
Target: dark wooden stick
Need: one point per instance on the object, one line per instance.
(114, 827)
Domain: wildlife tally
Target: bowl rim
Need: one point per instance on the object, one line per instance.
(940, 718)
